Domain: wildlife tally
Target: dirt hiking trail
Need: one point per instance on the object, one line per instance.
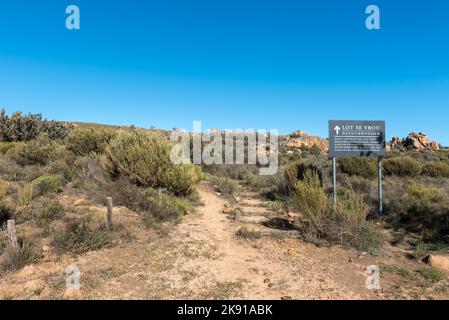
(203, 258)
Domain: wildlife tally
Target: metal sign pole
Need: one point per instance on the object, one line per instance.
(380, 185)
(334, 179)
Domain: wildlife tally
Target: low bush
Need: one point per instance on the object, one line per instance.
(226, 186)
(421, 209)
(436, 169)
(36, 152)
(402, 167)
(154, 205)
(432, 274)
(297, 170)
(42, 212)
(248, 233)
(82, 141)
(5, 147)
(47, 184)
(20, 127)
(25, 195)
(364, 167)
(160, 207)
(420, 251)
(144, 159)
(345, 224)
(26, 254)
(4, 187)
(62, 169)
(78, 236)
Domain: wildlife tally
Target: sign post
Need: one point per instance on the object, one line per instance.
(379, 184)
(349, 138)
(334, 179)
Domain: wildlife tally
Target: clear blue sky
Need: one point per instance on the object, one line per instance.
(231, 64)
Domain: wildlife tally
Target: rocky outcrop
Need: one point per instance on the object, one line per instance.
(438, 261)
(299, 140)
(416, 141)
(420, 141)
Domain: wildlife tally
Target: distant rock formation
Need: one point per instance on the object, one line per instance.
(417, 141)
(300, 140)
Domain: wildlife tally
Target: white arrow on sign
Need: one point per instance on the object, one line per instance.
(337, 129)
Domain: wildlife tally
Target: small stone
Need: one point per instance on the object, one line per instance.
(351, 259)
(228, 210)
(80, 202)
(286, 298)
(45, 248)
(267, 280)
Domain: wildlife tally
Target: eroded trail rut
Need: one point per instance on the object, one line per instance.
(266, 268)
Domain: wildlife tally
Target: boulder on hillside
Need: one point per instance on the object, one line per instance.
(300, 139)
(420, 141)
(438, 261)
(417, 141)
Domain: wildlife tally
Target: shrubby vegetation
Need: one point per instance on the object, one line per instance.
(402, 167)
(364, 167)
(344, 224)
(40, 158)
(436, 169)
(144, 159)
(82, 141)
(20, 127)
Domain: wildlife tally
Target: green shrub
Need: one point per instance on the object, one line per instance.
(35, 152)
(296, 171)
(226, 186)
(16, 259)
(47, 184)
(88, 169)
(420, 250)
(56, 130)
(77, 236)
(4, 187)
(433, 274)
(5, 147)
(60, 168)
(20, 127)
(426, 208)
(160, 207)
(313, 203)
(364, 167)
(85, 141)
(144, 159)
(47, 211)
(402, 167)
(436, 169)
(248, 233)
(25, 195)
(344, 224)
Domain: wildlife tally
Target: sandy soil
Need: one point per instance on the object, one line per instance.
(203, 258)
